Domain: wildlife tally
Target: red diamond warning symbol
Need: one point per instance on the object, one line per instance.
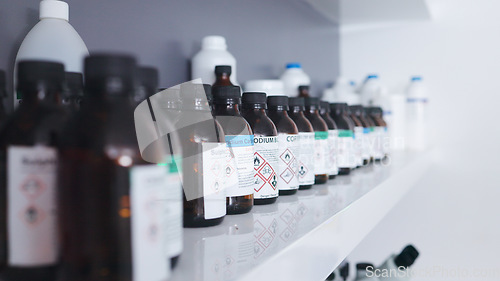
(286, 235)
(258, 228)
(266, 239)
(302, 172)
(287, 216)
(32, 187)
(258, 161)
(274, 181)
(287, 175)
(258, 249)
(259, 182)
(229, 171)
(32, 215)
(216, 168)
(273, 228)
(266, 171)
(287, 156)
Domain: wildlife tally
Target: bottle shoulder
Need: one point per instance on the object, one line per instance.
(261, 124)
(284, 124)
(317, 122)
(234, 125)
(303, 125)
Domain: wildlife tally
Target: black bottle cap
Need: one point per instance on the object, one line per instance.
(148, 77)
(226, 94)
(338, 107)
(296, 102)
(363, 266)
(2, 79)
(74, 82)
(324, 105)
(221, 69)
(110, 73)
(303, 88)
(253, 98)
(311, 102)
(275, 101)
(356, 109)
(208, 92)
(30, 73)
(407, 257)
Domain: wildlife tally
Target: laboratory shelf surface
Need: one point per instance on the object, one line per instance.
(303, 236)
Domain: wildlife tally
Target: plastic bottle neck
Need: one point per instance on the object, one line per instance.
(223, 80)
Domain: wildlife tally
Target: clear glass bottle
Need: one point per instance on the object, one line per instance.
(333, 135)
(346, 157)
(104, 184)
(28, 174)
(222, 75)
(203, 159)
(239, 140)
(265, 160)
(321, 149)
(288, 133)
(305, 171)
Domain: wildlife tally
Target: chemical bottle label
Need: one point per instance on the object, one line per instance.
(288, 167)
(333, 136)
(321, 152)
(214, 162)
(379, 142)
(346, 157)
(31, 208)
(265, 165)
(366, 153)
(174, 207)
(306, 164)
(358, 144)
(240, 165)
(150, 197)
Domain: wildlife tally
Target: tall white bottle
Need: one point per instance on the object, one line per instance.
(371, 90)
(293, 77)
(416, 114)
(213, 52)
(53, 39)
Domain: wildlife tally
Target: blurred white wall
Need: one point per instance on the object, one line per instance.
(453, 215)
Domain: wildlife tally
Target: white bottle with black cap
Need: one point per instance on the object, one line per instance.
(53, 39)
(396, 266)
(365, 272)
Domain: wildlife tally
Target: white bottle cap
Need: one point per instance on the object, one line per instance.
(214, 42)
(54, 9)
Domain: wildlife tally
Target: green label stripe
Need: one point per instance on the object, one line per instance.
(173, 164)
(346, 134)
(372, 129)
(322, 135)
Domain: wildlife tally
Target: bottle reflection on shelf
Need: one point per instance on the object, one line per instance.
(306, 209)
(238, 245)
(323, 203)
(266, 231)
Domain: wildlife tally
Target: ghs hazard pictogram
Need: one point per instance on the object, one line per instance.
(265, 176)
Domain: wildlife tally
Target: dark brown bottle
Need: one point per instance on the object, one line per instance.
(305, 158)
(304, 91)
(222, 75)
(239, 140)
(346, 156)
(104, 184)
(73, 91)
(146, 78)
(382, 140)
(321, 149)
(203, 148)
(3, 96)
(28, 174)
(265, 161)
(358, 133)
(333, 135)
(361, 132)
(288, 133)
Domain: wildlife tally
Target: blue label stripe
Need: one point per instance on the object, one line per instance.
(239, 141)
(366, 130)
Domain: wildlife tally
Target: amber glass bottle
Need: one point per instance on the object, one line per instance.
(361, 132)
(73, 91)
(321, 149)
(104, 184)
(265, 161)
(203, 152)
(333, 135)
(239, 140)
(222, 75)
(346, 158)
(28, 174)
(288, 133)
(305, 173)
(303, 91)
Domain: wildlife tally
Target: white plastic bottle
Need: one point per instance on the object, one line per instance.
(53, 39)
(395, 268)
(272, 87)
(213, 52)
(371, 90)
(416, 114)
(293, 77)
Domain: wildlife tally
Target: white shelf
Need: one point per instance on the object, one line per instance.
(303, 236)
(371, 11)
